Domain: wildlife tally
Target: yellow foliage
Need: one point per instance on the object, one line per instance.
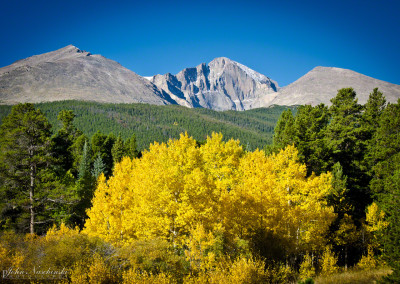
(79, 273)
(201, 249)
(5, 261)
(133, 276)
(247, 271)
(375, 224)
(375, 218)
(242, 270)
(178, 186)
(329, 262)
(98, 271)
(17, 259)
(347, 232)
(274, 194)
(368, 261)
(56, 233)
(92, 271)
(307, 269)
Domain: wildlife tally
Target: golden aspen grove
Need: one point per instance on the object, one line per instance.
(210, 203)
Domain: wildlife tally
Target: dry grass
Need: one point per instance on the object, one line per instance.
(354, 276)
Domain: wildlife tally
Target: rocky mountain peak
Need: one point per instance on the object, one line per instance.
(65, 53)
(222, 84)
(220, 62)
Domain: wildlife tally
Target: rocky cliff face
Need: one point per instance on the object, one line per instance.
(321, 84)
(72, 74)
(222, 84)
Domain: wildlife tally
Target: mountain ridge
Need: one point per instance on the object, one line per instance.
(322, 83)
(70, 73)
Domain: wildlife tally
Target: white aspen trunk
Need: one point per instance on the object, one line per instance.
(31, 194)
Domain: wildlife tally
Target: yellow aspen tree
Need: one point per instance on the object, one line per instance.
(307, 269)
(329, 262)
(274, 194)
(112, 202)
(346, 235)
(253, 203)
(368, 261)
(375, 224)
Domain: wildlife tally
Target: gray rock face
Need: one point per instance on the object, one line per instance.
(73, 74)
(321, 84)
(222, 84)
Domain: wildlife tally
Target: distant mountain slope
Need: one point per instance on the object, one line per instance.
(321, 84)
(254, 128)
(222, 84)
(73, 74)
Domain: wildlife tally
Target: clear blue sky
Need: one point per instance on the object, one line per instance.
(280, 39)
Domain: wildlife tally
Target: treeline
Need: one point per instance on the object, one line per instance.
(152, 123)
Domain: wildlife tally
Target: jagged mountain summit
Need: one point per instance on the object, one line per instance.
(72, 74)
(222, 84)
(321, 84)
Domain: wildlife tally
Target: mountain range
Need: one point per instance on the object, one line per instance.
(223, 84)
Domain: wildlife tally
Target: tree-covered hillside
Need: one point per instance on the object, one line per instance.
(254, 128)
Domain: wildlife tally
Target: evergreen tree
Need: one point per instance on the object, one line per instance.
(64, 140)
(77, 151)
(84, 187)
(117, 150)
(309, 128)
(98, 140)
(24, 166)
(131, 147)
(391, 240)
(374, 108)
(84, 168)
(284, 131)
(385, 148)
(344, 129)
(107, 154)
(344, 139)
(103, 144)
(98, 167)
(338, 194)
(385, 185)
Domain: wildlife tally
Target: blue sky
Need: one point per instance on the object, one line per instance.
(280, 39)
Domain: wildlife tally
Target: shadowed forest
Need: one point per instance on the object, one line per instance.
(278, 195)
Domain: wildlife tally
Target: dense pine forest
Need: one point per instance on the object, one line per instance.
(219, 198)
(160, 123)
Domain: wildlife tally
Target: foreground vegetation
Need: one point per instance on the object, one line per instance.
(322, 199)
(355, 276)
